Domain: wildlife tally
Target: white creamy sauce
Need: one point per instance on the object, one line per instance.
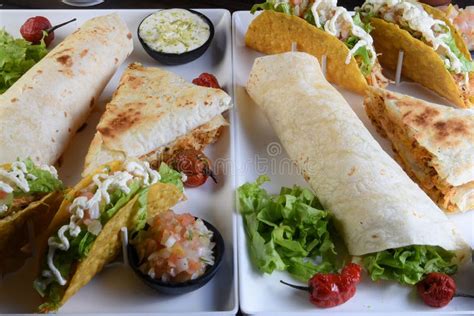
(338, 22)
(412, 16)
(83, 205)
(174, 31)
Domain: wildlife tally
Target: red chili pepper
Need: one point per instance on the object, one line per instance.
(194, 164)
(332, 289)
(207, 80)
(437, 289)
(32, 30)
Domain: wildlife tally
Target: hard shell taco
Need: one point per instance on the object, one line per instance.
(84, 235)
(319, 28)
(435, 55)
(28, 194)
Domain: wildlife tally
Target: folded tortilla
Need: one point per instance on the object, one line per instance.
(107, 244)
(153, 110)
(42, 111)
(433, 143)
(376, 206)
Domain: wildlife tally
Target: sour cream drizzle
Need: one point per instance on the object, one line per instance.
(338, 22)
(412, 15)
(82, 204)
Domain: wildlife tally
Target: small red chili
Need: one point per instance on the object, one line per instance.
(437, 289)
(207, 80)
(194, 164)
(33, 30)
(332, 289)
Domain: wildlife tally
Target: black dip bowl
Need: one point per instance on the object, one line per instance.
(179, 59)
(184, 287)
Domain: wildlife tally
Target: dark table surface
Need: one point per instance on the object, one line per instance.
(232, 5)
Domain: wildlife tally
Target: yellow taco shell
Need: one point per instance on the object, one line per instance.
(273, 33)
(420, 62)
(161, 197)
(14, 230)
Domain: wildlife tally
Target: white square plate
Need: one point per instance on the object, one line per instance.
(117, 289)
(259, 151)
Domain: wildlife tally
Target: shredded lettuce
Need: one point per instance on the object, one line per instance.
(140, 218)
(408, 265)
(169, 175)
(274, 5)
(288, 231)
(16, 57)
(43, 181)
(467, 65)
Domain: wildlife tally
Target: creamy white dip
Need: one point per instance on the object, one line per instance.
(174, 31)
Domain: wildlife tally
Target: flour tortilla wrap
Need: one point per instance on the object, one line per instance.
(375, 204)
(159, 197)
(53, 99)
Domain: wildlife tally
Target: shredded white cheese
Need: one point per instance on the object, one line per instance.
(338, 22)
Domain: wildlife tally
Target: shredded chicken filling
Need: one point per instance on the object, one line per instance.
(417, 161)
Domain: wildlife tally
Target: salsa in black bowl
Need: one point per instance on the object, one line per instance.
(174, 287)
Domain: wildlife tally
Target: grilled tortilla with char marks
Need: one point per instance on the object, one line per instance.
(155, 111)
(433, 143)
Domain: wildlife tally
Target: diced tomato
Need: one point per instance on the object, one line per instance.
(3, 195)
(186, 219)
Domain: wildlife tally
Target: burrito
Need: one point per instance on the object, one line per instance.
(381, 214)
(29, 195)
(432, 142)
(84, 234)
(155, 111)
(320, 28)
(435, 54)
(40, 113)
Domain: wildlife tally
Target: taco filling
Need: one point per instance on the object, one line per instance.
(23, 183)
(90, 210)
(412, 17)
(337, 21)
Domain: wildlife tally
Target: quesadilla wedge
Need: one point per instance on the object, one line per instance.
(435, 55)
(155, 111)
(28, 193)
(84, 234)
(319, 28)
(381, 214)
(433, 143)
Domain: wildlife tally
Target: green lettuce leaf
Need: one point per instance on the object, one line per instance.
(16, 57)
(44, 181)
(409, 265)
(141, 206)
(288, 231)
(467, 65)
(273, 5)
(169, 175)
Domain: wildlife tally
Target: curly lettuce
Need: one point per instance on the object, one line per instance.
(408, 265)
(273, 5)
(16, 57)
(288, 231)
